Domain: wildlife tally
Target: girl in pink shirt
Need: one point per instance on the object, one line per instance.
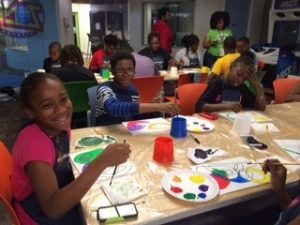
(43, 185)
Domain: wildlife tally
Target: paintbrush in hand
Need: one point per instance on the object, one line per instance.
(115, 170)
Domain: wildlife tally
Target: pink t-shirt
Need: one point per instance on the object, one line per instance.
(32, 145)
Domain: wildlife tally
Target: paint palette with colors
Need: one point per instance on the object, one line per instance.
(190, 186)
(197, 125)
(95, 140)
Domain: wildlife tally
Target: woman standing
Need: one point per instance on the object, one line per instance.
(214, 40)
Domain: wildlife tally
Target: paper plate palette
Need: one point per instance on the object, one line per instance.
(190, 186)
(198, 125)
(203, 153)
(95, 140)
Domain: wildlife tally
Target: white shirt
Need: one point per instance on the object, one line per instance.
(181, 55)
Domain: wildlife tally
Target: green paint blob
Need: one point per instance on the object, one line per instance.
(220, 173)
(189, 196)
(196, 123)
(88, 157)
(90, 141)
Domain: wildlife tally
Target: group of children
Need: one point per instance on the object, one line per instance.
(44, 189)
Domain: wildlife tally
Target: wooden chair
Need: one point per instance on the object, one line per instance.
(188, 95)
(6, 167)
(282, 88)
(148, 87)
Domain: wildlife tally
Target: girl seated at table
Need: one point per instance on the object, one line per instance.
(54, 60)
(294, 95)
(189, 56)
(118, 100)
(43, 185)
(230, 93)
(158, 55)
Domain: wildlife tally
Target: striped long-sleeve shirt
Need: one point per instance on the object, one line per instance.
(114, 105)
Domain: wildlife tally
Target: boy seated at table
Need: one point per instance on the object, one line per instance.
(222, 65)
(118, 100)
(230, 93)
(294, 95)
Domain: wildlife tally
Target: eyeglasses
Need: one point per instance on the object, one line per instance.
(124, 72)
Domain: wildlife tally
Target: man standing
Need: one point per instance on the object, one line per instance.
(163, 29)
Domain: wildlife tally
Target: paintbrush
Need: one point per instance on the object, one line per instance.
(115, 170)
(195, 139)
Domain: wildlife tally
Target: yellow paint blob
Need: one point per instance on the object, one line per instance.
(259, 177)
(177, 179)
(197, 179)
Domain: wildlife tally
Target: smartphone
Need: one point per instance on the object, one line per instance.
(117, 213)
(252, 142)
(210, 116)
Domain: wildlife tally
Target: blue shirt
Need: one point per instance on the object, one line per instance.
(115, 105)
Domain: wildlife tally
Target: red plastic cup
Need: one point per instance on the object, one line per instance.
(163, 150)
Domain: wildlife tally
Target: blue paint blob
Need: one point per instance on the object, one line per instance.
(240, 179)
(203, 188)
(205, 128)
(202, 195)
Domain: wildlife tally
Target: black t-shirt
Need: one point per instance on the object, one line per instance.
(218, 91)
(161, 54)
(49, 65)
(73, 72)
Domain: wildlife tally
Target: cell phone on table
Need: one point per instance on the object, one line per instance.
(253, 142)
(210, 116)
(117, 213)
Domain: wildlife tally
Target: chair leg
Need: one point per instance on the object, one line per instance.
(88, 118)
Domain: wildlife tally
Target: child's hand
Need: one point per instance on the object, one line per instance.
(278, 174)
(170, 108)
(115, 154)
(235, 107)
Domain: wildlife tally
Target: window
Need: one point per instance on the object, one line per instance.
(182, 18)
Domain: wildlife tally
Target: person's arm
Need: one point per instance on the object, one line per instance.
(170, 108)
(235, 107)
(116, 108)
(278, 178)
(163, 37)
(260, 101)
(56, 202)
(208, 43)
(294, 95)
(217, 68)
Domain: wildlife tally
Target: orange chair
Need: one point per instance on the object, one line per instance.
(282, 88)
(188, 95)
(183, 79)
(6, 167)
(148, 87)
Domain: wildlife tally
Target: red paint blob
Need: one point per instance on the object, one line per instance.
(223, 183)
(176, 189)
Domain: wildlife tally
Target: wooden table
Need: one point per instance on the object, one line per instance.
(158, 207)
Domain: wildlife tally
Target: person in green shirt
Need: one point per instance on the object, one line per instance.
(214, 40)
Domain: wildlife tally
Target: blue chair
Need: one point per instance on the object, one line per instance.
(92, 93)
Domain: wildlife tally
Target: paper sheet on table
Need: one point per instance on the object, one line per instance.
(255, 116)
(264, 127)
(123, 190)
(290, 146)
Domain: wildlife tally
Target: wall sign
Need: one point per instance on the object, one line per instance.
(21, 19)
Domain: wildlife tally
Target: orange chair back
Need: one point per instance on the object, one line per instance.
(188, 95)
(6, 167)
(148, 87)
(184, 79)
(282, 88)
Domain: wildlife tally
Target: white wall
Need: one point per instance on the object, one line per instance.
(202, 13)
(83, 11)
(256, 16)
(65, 21)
